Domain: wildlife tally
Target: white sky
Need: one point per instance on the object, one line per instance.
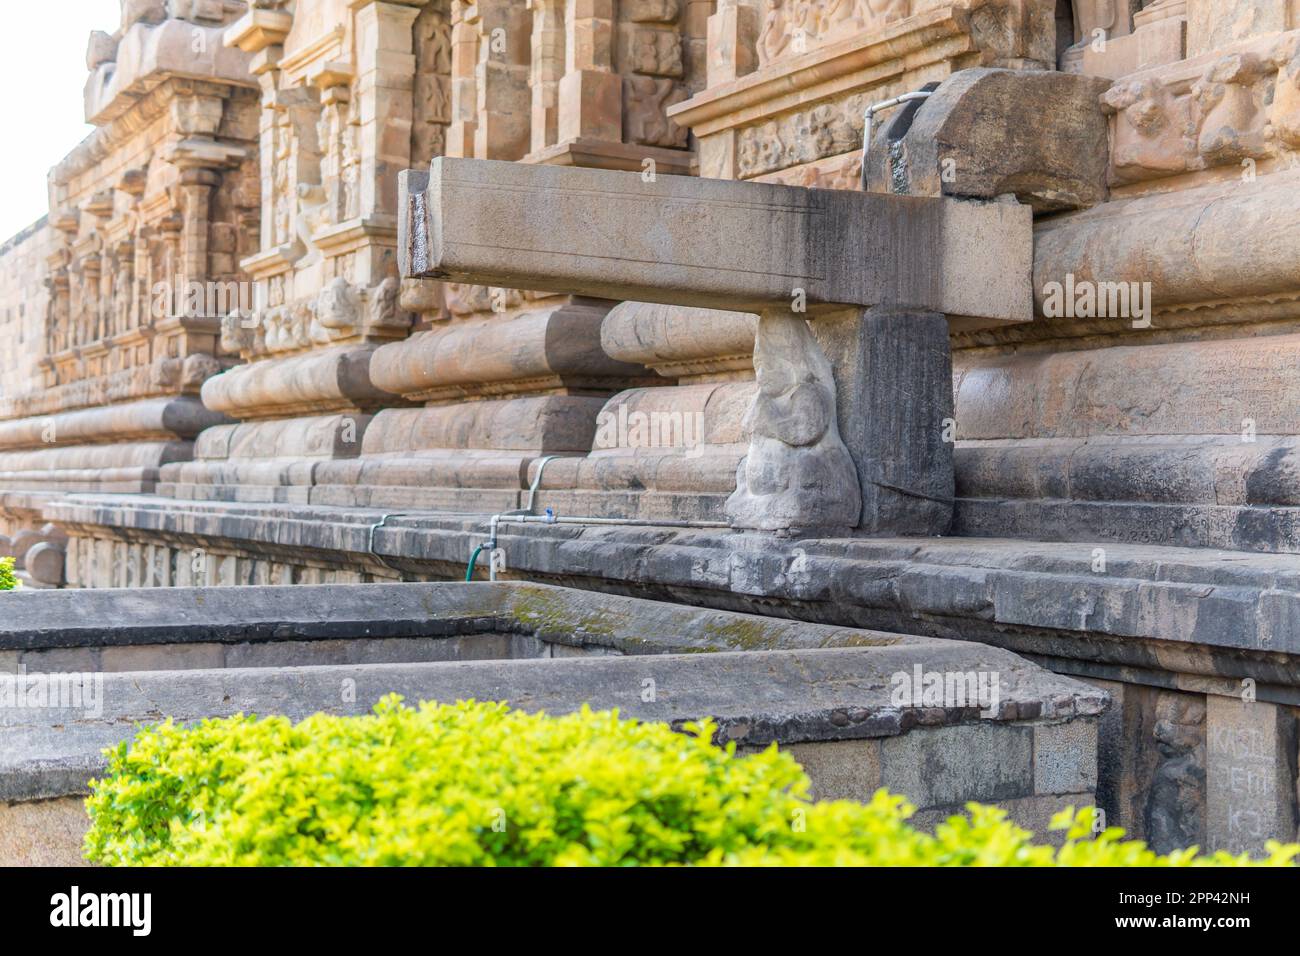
(42, 71)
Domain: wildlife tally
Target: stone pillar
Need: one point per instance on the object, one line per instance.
(268, 76)
(385, 78)
(893, 377)
(196, 188)
(196, 120)
(464, 63)
(91, 329)
(1250, 769)
(591, 93)
(547, 69)
(503, 101)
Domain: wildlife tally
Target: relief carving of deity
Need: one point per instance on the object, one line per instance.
(282, 179)
(122, 299)
(351, 173)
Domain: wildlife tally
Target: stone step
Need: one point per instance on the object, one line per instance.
(943, 722)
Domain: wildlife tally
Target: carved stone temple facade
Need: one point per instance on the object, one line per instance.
(103, 390)
(1022, 371)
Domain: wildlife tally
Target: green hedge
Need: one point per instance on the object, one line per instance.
(481, 784)
(8, 580)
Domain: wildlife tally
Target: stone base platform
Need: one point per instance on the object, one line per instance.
(1180, 637)
(829, 695)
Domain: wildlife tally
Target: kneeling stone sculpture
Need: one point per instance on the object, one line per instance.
(797, 475)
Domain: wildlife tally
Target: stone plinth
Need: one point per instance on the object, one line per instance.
(1087, 442)
(667, 451)
(501, 391)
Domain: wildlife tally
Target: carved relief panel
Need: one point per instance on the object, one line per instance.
(793, 27)
(654, 68)
(1240, 109)
(432, 113)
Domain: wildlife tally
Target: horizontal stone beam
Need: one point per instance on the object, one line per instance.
(720, 244)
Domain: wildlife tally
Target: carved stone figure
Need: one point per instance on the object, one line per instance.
(1231, 110)
(657, 52)
(237, 333)
(383, 311)
(273, 324)
(101, 49)
(1150, 135)
(146, 11)
(350, 160)
(338, 308)
(798, 474)
(282, 177)
(1285, 113)
(200, 11)
(651, 11)
(313, 210)
(1178, 788)
(646, 120)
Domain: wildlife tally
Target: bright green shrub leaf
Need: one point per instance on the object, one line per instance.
(479, 784)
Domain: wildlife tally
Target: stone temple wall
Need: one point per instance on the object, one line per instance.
(355, 389)
(345, 386)
(1125, 466)
(22, 316)
(1174, 422)
(152, 206)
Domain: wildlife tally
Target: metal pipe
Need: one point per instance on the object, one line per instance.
(526, 516)
(875, 108)
(370, 540)
(537, 480)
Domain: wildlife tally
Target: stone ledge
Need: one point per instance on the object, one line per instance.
(785, 697)
(1176, 617)
(111, 617)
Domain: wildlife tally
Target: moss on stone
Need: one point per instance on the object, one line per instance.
(543, 610)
